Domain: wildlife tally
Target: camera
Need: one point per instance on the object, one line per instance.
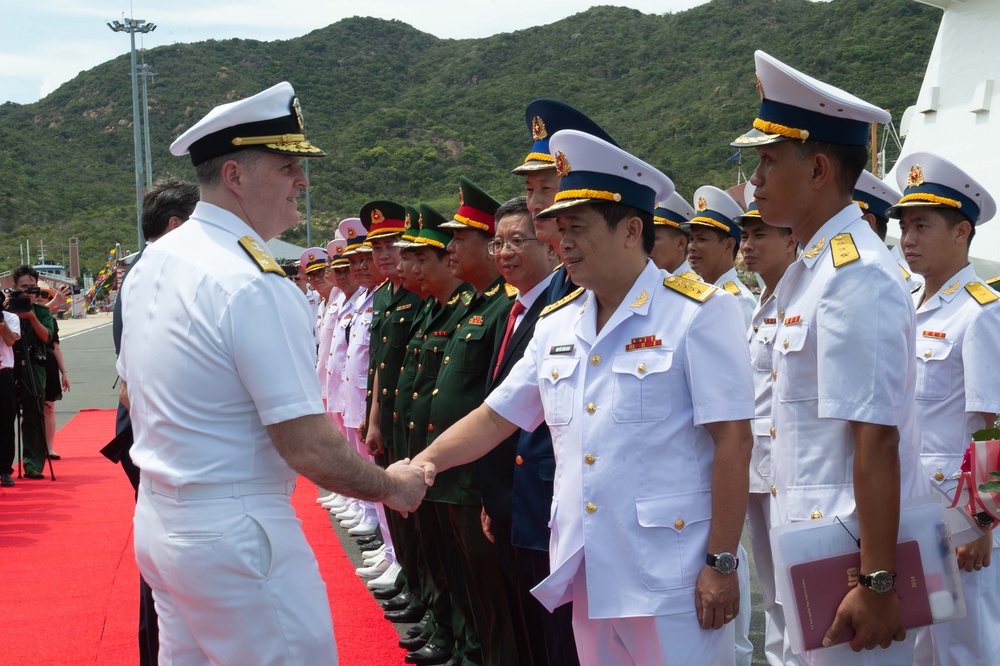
(18, 299)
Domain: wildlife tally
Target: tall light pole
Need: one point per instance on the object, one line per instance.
(132, 26)
(147, 73)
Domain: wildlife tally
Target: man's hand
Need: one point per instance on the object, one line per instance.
(430, 470)
(875, 618)
(487, 525)
(409, 486)
(373, 440)
(363, 432)
(716, 598)
(975, 555)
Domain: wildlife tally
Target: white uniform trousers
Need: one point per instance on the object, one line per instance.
(368, 508)
(233, 578)
(741, 625)
(660, 640)
(975, 639)
(758, 528)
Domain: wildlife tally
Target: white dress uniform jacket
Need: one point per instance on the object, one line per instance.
(355, 373)
(626, 407)
(731, 282)
(335, 394)
(760, 335)
(326, 327)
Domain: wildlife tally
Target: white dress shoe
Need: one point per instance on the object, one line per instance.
(326, 498)
(387, 580)
(349, 506)
(348, 515)
(375, 570)
(375, 557)
(363, 529)
(353, 522)
(335, 502)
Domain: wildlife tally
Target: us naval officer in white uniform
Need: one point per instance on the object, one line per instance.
(844, 361)
(644, 381)
(217, 357)
(958, 375)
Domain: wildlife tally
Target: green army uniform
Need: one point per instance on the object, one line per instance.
(30, 373)
(459, 389)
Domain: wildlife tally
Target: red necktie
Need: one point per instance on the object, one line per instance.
(516, 311)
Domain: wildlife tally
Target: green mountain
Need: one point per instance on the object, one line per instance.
(402, 113)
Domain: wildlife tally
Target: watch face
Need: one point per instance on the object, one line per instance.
(725, 563)
(880, 581)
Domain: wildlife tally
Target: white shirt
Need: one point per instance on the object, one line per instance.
(13, 322)
(843, 352)
(327, 325)
(632, 456)
(761, 338)
(338, 355)
(355, 367)
(213, 349)
(528, 298)
(731, 282)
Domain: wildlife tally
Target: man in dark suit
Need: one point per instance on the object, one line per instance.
(527, 264)
(165, 206)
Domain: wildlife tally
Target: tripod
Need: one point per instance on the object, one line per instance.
(25, 364)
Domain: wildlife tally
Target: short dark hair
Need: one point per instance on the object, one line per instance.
(850, 160)
(953, 217)
(209, 172)
(614, 212)
(21, 271)
(881, 226)
(167, 198)
(515, 206)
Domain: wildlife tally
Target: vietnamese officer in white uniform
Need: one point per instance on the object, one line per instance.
(715, 240)
(875, 197)
(958, 373)
(844, 361)
(670, 247)
(767, 251)
(643, 378)
(217, 360)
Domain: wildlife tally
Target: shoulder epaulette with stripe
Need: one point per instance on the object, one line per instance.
(466, 297)
(843, 250)
(691, 276)
(561, 302)
(260, 256)
(906, 273)
(981, 293)
(693, 289)
(731, 288)
(510, 289)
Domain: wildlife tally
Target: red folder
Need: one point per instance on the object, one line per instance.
(821, 585)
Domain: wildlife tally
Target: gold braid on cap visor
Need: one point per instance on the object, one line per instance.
(710, 222)
(782, 130)
(588, 194)
(539, 157)
(472, 223)
(931, 198)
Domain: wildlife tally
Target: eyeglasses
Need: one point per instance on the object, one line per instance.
(495, 247)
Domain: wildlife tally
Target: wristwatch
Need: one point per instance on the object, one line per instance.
(878, 581)
(984, 519)
(724, 563)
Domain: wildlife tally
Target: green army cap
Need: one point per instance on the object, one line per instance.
(476, 209)
(432, 228)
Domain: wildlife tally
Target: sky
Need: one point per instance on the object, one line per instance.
(45, 43)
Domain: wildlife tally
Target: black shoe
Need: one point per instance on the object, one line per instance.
(417, 629)
(55, 456)
(34, 475)
(429, 655)
(6, 480)
(371, 545)
(398, 602)
(405, 615)
(412, 644)
(368, 538)
(382, 595)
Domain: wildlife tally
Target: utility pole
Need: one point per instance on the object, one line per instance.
(132, 26)
(147, 73)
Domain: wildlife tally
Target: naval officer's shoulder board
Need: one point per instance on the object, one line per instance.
(260, 256)
(569, 298)
(843, 250)
(994, 283)
(981, 293)
(693, 289)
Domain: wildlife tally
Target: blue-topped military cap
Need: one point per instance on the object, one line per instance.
(545, 117)
(799, 107)
(752, 213)
(355, 234)
(930, 180)
(270, 121)
(594, 171)
(674, 212)
(431, 231)
(874, 195)
(716, 209)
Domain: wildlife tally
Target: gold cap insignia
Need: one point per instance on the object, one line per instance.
(915, 177)
(377, 216)
(406, 221)
(461, 197)
(339, 249)
(420, 222)
(702, 205)
(298, 112)
(312, 257)
(538, 131)
(562, 164)
(760, 88)
(351, 232)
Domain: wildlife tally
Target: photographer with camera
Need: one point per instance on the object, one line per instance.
(10, 332)
(37, 326)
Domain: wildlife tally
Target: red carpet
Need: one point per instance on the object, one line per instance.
(71, 582)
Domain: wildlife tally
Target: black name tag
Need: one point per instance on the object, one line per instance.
(562, 349)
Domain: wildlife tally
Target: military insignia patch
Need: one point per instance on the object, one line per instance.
(770, 320)
(492, 292)
(312, 257)
(642, 300)
(260, 255)
(298, 112)
(351, 232)
(935, 334)
(760, 88)
(420, 222)
(693, 289)
(461, 197)
(731, 288)
(981, 293)
(952, 288)
(701, 206)
(538, 131)
(562, 164)
(561, 302)
(645, 342)
(791, 321)
(510, 290)
(476, 321)
(815, 249)
(915, 177)
(844, 250)
(377, 216)
(407, 222)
